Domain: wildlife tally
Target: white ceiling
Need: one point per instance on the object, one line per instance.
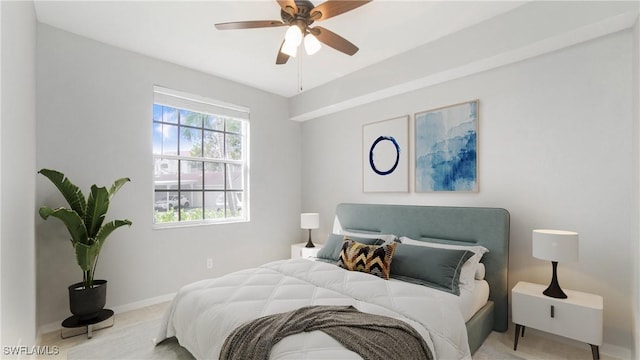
(183, 32)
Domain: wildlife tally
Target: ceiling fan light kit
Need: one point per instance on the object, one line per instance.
(293, 38)
(299, 15)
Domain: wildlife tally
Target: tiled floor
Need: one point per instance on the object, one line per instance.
(498, 345)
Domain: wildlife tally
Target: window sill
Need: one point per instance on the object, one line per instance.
(184, 224)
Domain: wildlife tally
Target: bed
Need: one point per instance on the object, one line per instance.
(203, 314)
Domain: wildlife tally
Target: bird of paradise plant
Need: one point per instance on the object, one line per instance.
(84, 219)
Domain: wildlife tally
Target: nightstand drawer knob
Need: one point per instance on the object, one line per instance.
(552, 311)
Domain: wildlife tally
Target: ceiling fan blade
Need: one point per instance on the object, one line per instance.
(288, 6)
(282, 57)
(334, 40)
(331, 8)
(249, 24)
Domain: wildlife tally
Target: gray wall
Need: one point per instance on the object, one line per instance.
(17, 166)
(555, 149)
(94, 124)
(636, 188)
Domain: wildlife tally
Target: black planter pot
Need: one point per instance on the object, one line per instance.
(87, 303)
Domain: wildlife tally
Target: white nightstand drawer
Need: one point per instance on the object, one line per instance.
(558, 317)
(578, 317)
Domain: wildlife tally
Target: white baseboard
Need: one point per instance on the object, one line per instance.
(616, 351)
(55, 326)
(143, 303)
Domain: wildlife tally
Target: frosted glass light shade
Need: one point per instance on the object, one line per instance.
(289, 48)
(311, 44)
(309, 220)
(293, 35)
(555, 245)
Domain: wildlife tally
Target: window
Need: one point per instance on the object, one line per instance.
(200, 158)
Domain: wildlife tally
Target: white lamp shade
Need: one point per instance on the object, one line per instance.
(309, 220)
(311, 44)
(293, 35)
(555, 245)
(289, 48)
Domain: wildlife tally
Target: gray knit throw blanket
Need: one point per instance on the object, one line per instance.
(373, 337)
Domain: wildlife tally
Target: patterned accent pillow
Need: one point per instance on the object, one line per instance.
(372, 259)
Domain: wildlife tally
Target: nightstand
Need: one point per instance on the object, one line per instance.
(577, 317)
(299, 251)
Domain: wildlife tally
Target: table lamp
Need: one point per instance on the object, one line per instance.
(309, 221)
(555, 245)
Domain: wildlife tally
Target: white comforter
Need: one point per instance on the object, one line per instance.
(204, 313)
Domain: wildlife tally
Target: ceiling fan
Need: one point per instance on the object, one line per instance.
(299, 15)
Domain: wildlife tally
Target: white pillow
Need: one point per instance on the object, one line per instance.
(337, 229)
(469, 269)
(387, 238)
(480, 271)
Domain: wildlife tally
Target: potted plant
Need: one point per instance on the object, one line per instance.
(85, 222)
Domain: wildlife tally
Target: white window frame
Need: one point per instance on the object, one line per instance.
(184, 101)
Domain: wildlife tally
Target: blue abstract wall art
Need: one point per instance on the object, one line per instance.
(385, 160)
(446, 148)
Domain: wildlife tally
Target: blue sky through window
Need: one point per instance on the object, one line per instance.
(165, 136)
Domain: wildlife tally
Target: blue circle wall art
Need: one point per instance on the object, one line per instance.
(385, 155)
(387, 149)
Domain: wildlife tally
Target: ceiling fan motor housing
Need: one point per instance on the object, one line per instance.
(302, 18)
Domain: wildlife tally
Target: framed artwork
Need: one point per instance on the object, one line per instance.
(446, 148)
(385, 160)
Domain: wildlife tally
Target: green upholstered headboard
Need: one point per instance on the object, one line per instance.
(488, 227)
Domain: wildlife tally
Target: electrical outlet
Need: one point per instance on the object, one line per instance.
(209, 263)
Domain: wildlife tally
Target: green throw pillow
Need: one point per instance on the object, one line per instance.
(330, 251)
(433, 267)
